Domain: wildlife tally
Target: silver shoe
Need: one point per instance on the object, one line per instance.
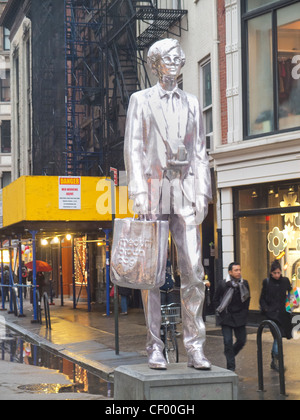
(157, 361)
(197, 360)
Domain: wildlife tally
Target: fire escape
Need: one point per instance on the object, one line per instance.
(105, 64)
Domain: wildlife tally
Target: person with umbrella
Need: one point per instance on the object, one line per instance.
(40, 266)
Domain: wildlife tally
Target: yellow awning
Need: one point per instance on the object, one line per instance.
(63, 199)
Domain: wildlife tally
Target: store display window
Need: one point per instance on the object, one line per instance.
(271, 60)
(268, 228)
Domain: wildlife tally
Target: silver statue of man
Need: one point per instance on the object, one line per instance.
(168, 169)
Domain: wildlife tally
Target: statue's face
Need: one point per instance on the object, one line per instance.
(170, 64)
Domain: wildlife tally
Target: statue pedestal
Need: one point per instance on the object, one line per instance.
(179, 383)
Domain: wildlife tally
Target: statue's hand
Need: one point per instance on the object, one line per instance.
(141, 204)
(201, 209)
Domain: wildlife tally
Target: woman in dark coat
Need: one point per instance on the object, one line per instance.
(272, 302)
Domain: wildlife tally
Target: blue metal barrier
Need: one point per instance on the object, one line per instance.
(13, 291)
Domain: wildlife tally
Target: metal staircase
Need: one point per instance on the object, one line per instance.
(126, 61)
(104, 65)
(161, 22)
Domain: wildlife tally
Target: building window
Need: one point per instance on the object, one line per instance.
(255, 4)
(267, 219)
(5, 87)
(206, 101)
(6, 40)
(271, 67)
(177, 4)
(6, 179)
(5, 137)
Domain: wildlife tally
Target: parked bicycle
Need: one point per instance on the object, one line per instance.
(170, 318)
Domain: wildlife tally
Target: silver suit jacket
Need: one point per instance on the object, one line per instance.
(145, 151)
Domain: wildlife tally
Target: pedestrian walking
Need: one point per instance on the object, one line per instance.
(232, 299)
(207, 301)
(40, 281)
(24, 279)
(275, 290)
(124, 293)
(6, 283)
(167, 289)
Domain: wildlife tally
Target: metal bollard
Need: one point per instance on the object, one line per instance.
(276, 332)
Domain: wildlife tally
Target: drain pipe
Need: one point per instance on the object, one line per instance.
(217, 139)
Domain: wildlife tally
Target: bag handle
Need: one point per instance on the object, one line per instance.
(142, 217)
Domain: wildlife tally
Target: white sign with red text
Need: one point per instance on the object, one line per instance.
(69, 188)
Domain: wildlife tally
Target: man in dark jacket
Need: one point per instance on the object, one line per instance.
(232, 301)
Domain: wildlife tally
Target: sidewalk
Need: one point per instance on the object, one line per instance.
(88, 339)
(85, 338)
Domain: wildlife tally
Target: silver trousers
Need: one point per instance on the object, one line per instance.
(186, 236)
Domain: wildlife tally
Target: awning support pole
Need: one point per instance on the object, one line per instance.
(60, 274)
(11, 280)
(35, 315)
(2, 277)
(20, 277)
(87, 269)
(73, 273)
(107, 232)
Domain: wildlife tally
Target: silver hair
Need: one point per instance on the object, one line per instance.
(161, 48)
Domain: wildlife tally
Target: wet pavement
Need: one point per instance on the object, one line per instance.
(26, 382)
(88, 340)
(27, 370)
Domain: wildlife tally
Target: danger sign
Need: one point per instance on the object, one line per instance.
(69, 193)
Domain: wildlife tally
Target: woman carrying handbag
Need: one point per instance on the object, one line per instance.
(273, 298)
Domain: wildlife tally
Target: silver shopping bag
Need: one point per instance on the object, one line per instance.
(139, 253)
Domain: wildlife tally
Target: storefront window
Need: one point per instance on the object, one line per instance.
(272, 67)
(260, 83)
(289, 75)
(262, 238)
(266, 196)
